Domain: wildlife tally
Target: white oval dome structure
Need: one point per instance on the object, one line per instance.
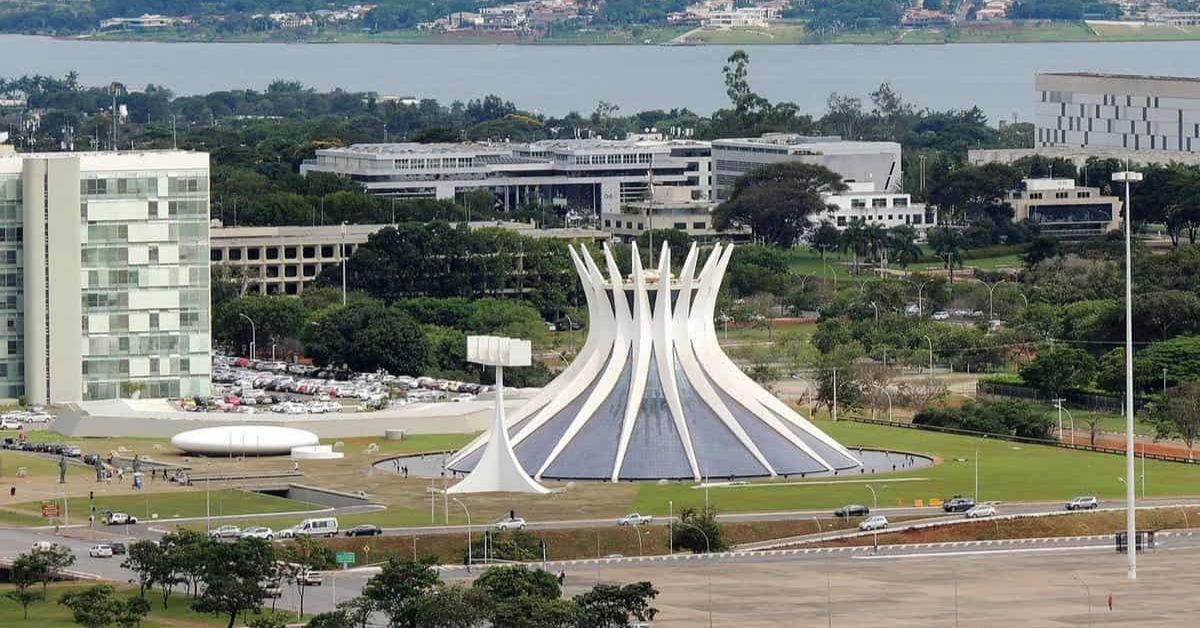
(248, 440)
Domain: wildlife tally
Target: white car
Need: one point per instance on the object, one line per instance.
(100, 551)
(287, 533)
(874, 522)
(226, 532)
(634, 519)
(982, 510)
(1085, 502)
(9, 424)
(258, 532)
(941, 315)
(119, 519)
(510, 523)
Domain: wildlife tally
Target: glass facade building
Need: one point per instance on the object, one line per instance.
(110, 276)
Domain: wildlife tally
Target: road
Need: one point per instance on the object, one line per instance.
(343, 585)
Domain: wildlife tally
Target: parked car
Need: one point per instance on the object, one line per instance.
(100, 551)
(876, 522)
(634, 519)
(225, 532)
(1083, 502)
(118, 519)
(958, 504)
(118, 548)
(288, 533)
(366, 529)
(258, 532)
(982, 510)
(852, 510)
(323, 526)
(509, 523)
(10, 424)
(941, 315)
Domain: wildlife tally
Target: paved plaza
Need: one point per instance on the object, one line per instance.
(1037, 588)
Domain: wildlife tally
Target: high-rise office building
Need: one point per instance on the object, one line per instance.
(104, 291)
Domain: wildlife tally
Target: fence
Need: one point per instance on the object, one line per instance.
(1084, 401)
(1023, 439)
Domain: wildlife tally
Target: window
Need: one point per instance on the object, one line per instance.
(878, 203)
(273, 252)
(682, 226)
(858, 203)
(154, 322)
(607, 222)
(216, 255)
(310, 252)
(253, 254)
(289, 252)
(327, 251)
(698, 225)
(1083, 195)
(900, 201)
(1061, 195)
(841, 221)
(235, 254)
(289, 271)
(1035, 195)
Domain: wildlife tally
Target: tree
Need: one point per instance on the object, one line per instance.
(367, 336)
(902, 246)
(93, 607)
(233, 574)
(456, 605)
(1165, 313)
(698, 532)
(154, 565)
(949, 245)
(54, 561)
(825, 238)
(677, 240)
(856, 240)
(614, 606)
(26, 570)
(128, 613)
(776, 201)
(522, 598)
(1179, 415)
(274, 317)
(1039, 249)
(1059, 370)
(300, 555)
(399, 589)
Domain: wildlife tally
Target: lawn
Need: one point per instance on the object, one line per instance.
(411, 444)
(1007, 472)
(164, 505)
(804, 261)
(49, 614)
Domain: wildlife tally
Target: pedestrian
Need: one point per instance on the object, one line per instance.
(1110, 602)
(562, 577)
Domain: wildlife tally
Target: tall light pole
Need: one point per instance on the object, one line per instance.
(991, 290)
(930, 341)
(920, 303)
(344, 261)
(464, 507)
(708, 572)
(1128, 177)
(253, 334)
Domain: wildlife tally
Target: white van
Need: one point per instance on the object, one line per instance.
(327, 526)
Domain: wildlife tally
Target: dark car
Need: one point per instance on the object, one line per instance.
(117, 548)
(958, 504)
(852, 510)
(365, 529)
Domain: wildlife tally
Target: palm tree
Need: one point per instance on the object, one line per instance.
(854, 239)
(877, 243)
(903, 246)
(949, 245)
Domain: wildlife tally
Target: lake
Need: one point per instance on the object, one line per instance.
(557, 79)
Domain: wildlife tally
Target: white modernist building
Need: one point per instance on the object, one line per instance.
(239, 440)
(586, 175)
(652, 396)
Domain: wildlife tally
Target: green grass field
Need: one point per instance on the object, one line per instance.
(179, 504)
(1007, 472)
(804, 261)
(49, 614)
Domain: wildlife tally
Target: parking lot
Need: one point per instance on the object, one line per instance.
(247, 386)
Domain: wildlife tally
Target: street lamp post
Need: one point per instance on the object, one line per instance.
(671, 526)
(708, 572)
(874, 498)
(1128, 177)
(464, 507)
(885, 391)
(991, 290)
(930, 341)
(920, 303)
(344, 261)
(1087, 591)
(253, 334)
